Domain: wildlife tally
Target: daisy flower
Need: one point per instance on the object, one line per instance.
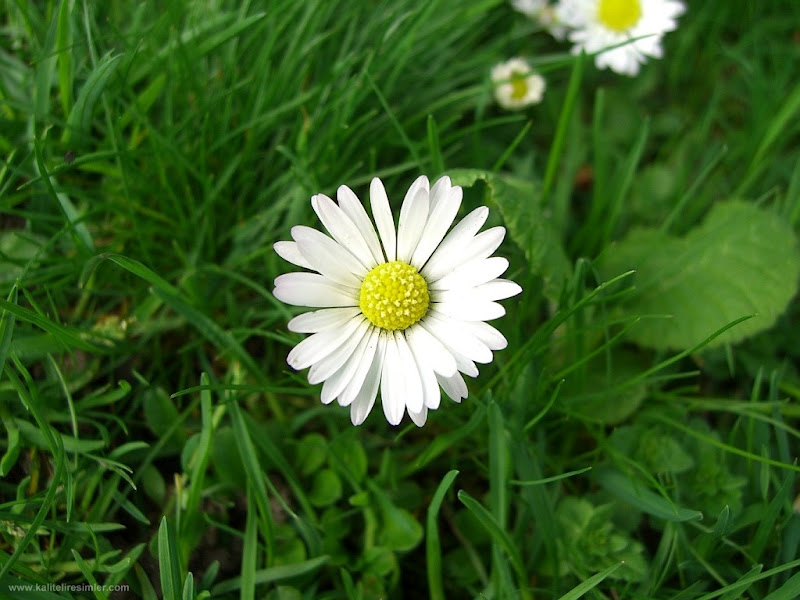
(516, 85)
(403, 309)
(543, 12)
(635, 27)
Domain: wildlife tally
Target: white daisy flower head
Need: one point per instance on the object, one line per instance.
(516, 84)
(403, 309)
(632, 29)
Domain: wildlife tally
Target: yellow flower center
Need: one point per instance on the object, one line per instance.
(519, 86)
(619, 15)
(394, 296)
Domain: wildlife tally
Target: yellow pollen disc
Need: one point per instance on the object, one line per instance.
(394, 296)
(619, 15)
(519, 87)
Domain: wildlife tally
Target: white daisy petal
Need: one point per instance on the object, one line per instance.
(454, 386)
(442, 215)
(393, 383)
(312, 322)
(327, 366)
(413, 216)
(470, 309)
(359, 379)
(357, 364)
(413, 393)
(289, 251)
(458, 238)
(480, 246)
(463, 363)
(420, 417)
(449, 332)
(319, 345)
(352, 207)
(472, 273)
(384, 220)
(430, 350)
(493, 339)
(497, 289)
(311, 289)
(345, 231)
(327, 257)
(439, 190)
(365, 398)
(430, 387)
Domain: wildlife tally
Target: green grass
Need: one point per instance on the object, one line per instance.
(153, 436)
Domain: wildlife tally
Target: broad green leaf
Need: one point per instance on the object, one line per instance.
(527, 224)
(741, 261)
(326, 488)
(400, 530)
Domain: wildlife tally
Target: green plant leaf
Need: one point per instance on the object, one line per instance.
(741, 261)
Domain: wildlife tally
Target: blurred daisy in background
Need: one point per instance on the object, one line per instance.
(403, 309)
(622, 34)
(516, 84)
(544, 13)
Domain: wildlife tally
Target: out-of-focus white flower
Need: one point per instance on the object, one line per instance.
(516, 84)
(403, 309)
(622, 34)
(543, 12)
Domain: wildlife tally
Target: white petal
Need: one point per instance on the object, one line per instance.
(413, 215)
(493, 339)
(481, 246)
(442, 215)
(453, 386)
(457, 239)
(352, 207)
(319, 345)
(374, 347)
(411, 378)
(449, 332)
(343, 230)
(440, 190)
(325, 367)
(497, 289)
(470, 309)
(420, 417)
(327, 257)
(430, 350)
(311, 289)
(392, 384)
(289, 251)
(430, 387)
(362, 355)
(463, 362)
(384, 221)
(365, 399)
(312, 322)
(472, 274)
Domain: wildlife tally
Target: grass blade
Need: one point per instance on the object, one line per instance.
(433, 548)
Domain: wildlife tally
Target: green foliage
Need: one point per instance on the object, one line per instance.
(742, 261)
(152, 435)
